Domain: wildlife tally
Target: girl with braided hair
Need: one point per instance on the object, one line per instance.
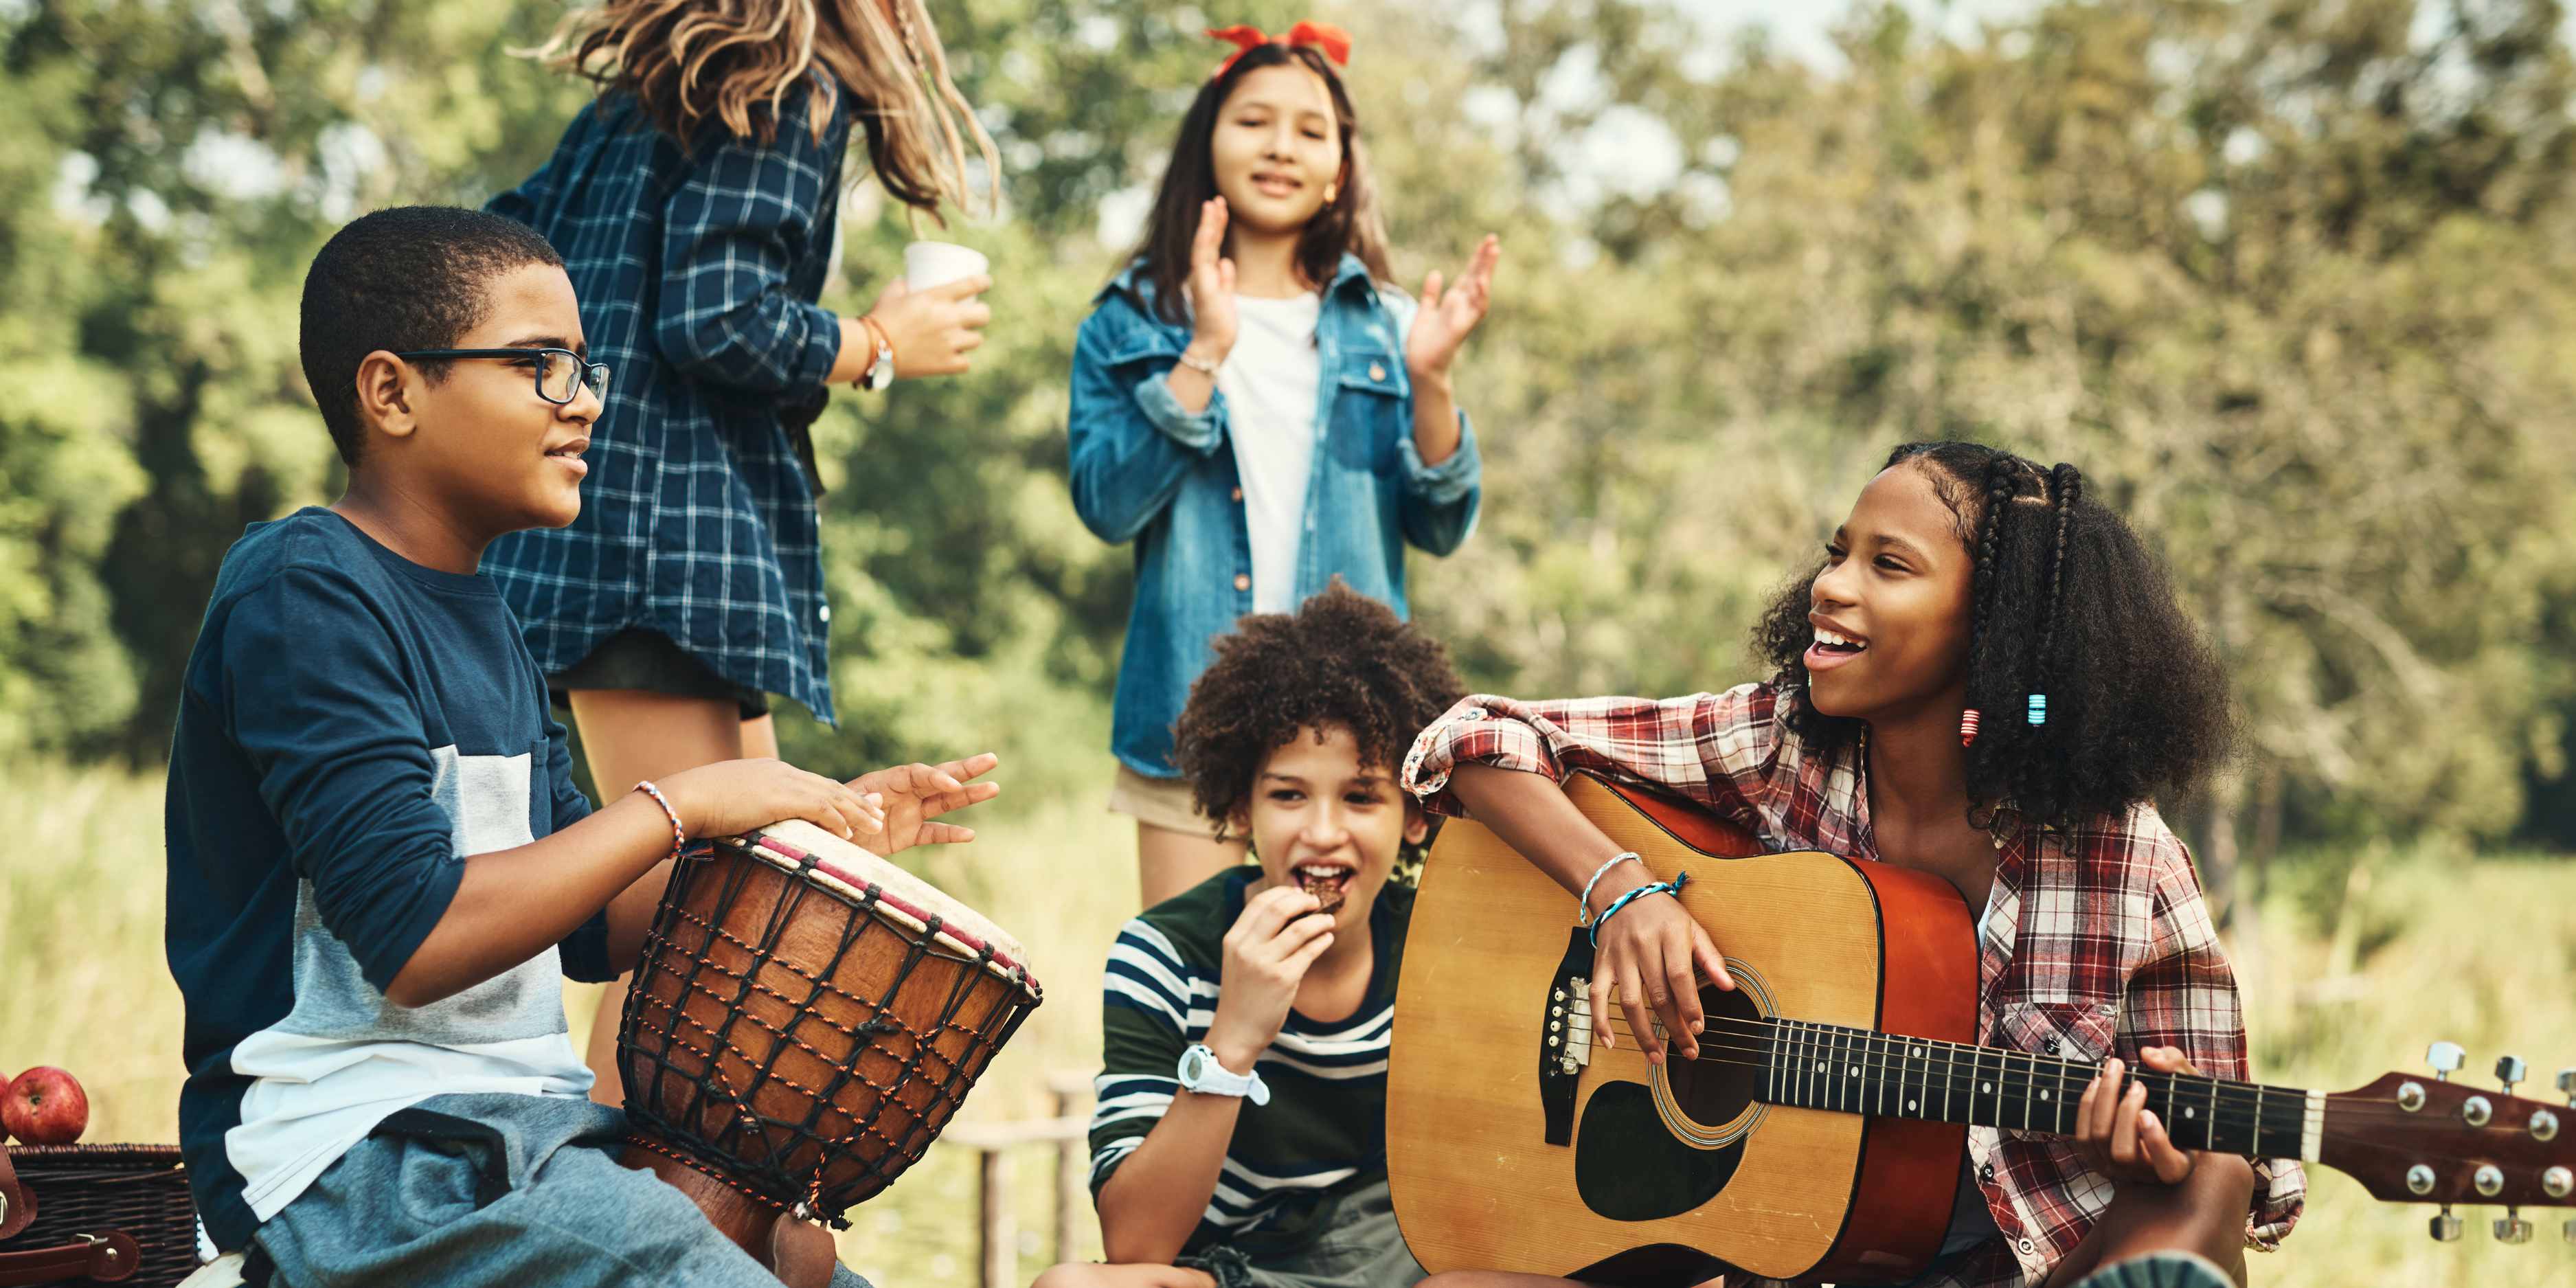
(1988, 678)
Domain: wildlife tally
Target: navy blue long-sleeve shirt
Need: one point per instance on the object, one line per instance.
(353, 726)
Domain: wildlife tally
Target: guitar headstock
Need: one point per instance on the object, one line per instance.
(2410, 1138)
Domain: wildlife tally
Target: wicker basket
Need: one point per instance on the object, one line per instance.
(102, 1214)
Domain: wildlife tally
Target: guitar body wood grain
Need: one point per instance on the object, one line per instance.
(1797, 1193)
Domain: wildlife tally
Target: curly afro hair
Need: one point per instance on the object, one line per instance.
(1343, 660)
(2067, 602)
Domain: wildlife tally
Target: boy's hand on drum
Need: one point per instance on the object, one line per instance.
(1213, 321)
(932, 331)
(1267, 952)
(1446, 317)
(734, 796)
(916, 794)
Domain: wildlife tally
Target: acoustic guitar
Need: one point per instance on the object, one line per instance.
(1820, 1134)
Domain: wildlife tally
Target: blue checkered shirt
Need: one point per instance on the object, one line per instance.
(697, 275)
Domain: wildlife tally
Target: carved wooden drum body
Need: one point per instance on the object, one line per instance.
(808, 1016)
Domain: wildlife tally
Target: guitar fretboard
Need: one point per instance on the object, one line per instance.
(1825, 1066)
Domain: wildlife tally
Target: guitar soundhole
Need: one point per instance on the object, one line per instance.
(1721, 1084)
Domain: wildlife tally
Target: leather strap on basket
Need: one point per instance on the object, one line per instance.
(17, 1202)
(106, 1258)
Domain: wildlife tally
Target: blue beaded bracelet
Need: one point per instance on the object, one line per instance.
(1672, 887)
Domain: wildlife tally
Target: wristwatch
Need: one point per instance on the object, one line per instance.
(1201, 1073)
(881, 372)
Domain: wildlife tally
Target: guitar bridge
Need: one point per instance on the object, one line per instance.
(1577, 995)
(1565, 1038)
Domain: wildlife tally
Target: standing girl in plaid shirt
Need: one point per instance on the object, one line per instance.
(1988, 678)
(694, 203)
(1256, 409)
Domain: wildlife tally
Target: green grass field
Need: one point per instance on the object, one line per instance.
(2347, 979)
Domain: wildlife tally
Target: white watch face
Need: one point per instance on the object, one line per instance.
(1193, 1065)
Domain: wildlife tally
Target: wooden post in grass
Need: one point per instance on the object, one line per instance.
(1070, 1183)
(998, 1236)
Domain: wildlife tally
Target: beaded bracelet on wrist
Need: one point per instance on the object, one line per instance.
(679, 834)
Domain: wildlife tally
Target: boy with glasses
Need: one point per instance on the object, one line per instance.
(379, 869)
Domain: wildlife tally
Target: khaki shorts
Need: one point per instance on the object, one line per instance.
(1158, 802)
(1351, 1242)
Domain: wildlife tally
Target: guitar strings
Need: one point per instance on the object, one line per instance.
(2232, 1109)
(2012, 1084)
(2225, 1094)
(2003, 1096)
(2236, 1113)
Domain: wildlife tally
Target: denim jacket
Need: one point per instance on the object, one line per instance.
(1146, 471)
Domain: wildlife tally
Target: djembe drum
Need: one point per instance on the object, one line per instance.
(805, 1019)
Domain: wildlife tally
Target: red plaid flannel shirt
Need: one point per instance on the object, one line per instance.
(2098, 941)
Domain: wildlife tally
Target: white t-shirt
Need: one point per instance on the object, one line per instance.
(1270, 381)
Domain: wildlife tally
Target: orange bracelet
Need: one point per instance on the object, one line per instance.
(884, 341)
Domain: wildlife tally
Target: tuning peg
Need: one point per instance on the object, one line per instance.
(2446, 1058)
(2567, 1083)
(2446, 1227)
(2510, 1070)
(2510, 1228)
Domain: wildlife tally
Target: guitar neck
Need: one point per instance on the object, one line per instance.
(1847, 1070)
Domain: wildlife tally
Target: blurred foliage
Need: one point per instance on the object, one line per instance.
(2292, 280)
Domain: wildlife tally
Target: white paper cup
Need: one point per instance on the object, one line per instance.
(930, 263)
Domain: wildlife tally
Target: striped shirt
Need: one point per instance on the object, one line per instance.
(1323, 1132)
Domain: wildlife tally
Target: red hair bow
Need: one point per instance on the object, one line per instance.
(1333, 41)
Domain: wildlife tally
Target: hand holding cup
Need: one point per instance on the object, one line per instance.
(931, 315)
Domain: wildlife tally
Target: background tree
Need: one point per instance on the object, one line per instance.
(2292, 280)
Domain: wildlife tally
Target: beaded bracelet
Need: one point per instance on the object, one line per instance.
(679, 835)
(1672, 887)
(1583, 906)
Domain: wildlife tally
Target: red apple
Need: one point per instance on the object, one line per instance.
(45, 1106)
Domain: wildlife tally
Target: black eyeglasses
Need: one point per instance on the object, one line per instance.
(560, 373)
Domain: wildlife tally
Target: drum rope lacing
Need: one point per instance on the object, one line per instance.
(945, 1075)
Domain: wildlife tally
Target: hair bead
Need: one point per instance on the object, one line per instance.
(2038, 709)
(1968, 727)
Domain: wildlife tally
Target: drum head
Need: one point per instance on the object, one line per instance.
(902, 897)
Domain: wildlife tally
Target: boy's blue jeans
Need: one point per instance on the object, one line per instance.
(555, 1209)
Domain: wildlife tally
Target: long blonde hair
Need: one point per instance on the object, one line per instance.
(690, 61)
